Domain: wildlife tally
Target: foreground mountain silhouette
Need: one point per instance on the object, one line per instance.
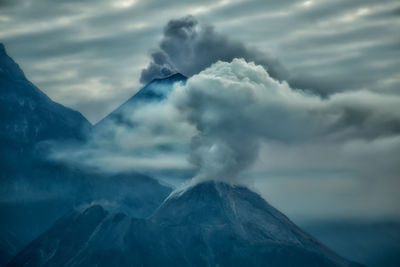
(209, 224)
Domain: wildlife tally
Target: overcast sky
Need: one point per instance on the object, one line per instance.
(89, 55)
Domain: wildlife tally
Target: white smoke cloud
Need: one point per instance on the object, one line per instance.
(236, 107)
(224, 115)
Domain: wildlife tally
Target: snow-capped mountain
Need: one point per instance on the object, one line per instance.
(209, 224)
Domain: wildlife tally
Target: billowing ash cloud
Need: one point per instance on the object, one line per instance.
(189, 48)
(225, 114)
(236, 107)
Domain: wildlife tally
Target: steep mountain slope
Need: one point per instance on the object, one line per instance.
(28, 115)
(27, 118)
(156, 90)
(210, 224)
(35, 192)
(239, 228)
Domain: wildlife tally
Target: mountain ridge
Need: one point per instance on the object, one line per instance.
(35, 190)
(28, 115)
(212, 224)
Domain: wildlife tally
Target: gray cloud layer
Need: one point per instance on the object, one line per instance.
(91, 58)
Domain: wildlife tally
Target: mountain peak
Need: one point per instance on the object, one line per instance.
(158, 88)
(174, 77)
(2, 48)
(237, 211)
(220, 202)
(8, 68)
(155, 90)
(28, 115)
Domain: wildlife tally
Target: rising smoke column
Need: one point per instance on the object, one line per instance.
(237, 106)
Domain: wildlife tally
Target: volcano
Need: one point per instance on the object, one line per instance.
(208, 224)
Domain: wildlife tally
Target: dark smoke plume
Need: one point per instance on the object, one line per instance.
(188, 47)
